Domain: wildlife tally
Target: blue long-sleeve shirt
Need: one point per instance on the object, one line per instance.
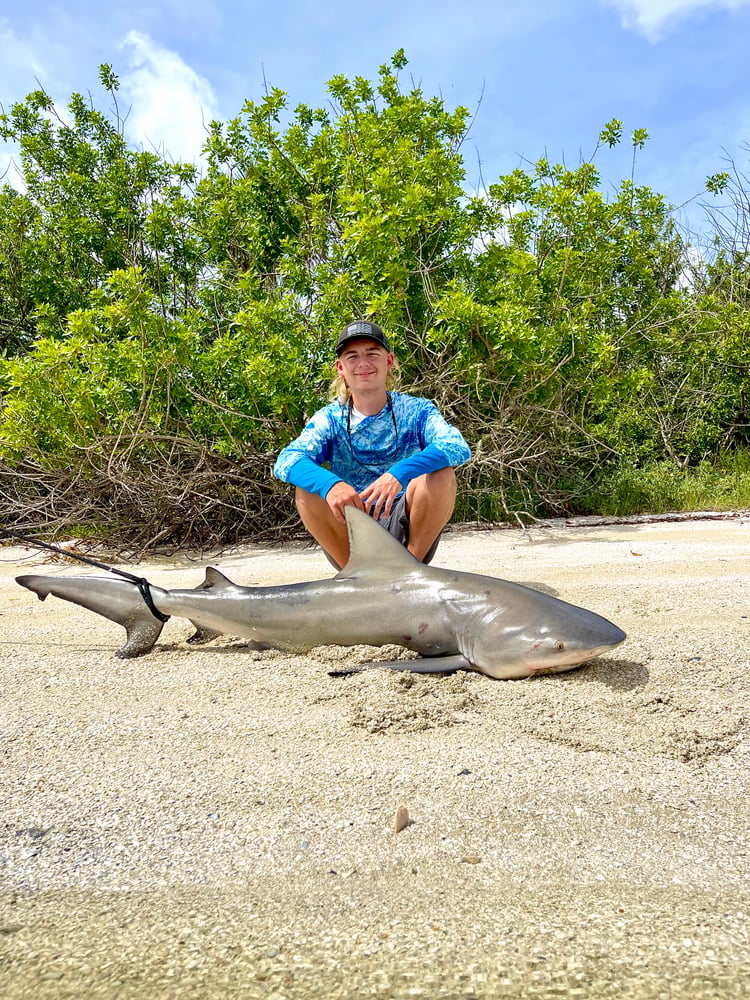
(408, 439)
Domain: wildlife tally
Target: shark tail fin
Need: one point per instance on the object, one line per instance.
(118, 600)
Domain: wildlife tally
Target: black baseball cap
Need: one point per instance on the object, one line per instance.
(357, 330)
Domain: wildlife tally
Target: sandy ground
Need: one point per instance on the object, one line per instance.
(215, 822)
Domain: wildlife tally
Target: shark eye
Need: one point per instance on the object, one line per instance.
(559, 646)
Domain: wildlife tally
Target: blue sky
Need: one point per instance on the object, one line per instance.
(543, 77)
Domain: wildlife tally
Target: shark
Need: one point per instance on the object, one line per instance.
(383, 596)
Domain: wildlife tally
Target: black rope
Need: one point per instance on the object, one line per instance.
(140, 581)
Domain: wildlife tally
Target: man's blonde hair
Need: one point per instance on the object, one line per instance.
(339, 391)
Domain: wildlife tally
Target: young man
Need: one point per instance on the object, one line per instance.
(389, 454)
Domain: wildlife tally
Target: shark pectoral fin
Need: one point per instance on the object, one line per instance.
(422, 665)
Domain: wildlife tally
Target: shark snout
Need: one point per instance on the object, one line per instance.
(595, 635)
(577, 649)
(616, 637)
(565, 639)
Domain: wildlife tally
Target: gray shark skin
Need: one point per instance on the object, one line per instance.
(382, 596)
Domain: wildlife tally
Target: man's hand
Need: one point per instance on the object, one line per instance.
(343, 495)
(379, 496)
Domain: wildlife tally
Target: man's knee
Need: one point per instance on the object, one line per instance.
(431, 498)
(439, 482)
(442, 478)
(316, 515)
(304, 500)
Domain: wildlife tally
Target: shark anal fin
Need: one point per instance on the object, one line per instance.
(202, 635)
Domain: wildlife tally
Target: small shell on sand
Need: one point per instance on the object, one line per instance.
(401, 820)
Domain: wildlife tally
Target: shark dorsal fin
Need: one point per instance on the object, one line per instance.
(215, 580)
(373, 549)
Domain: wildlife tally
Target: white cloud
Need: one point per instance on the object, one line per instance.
(170, 104)
(654, 17)
(20, 62)
(19, 56)
(10, 168)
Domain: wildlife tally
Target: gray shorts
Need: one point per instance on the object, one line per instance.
(397, 524)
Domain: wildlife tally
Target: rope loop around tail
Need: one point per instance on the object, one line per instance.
(145, 589)
(141, 582)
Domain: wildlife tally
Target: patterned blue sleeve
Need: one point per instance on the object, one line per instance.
(429, 460)
(437, 444)
(446, 437)
(300, 463)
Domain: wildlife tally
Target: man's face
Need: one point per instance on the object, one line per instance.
(364, 364)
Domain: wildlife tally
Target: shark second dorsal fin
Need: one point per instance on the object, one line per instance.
(372, 549)
(215, 580)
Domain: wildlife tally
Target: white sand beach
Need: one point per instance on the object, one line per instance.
(215, 822)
